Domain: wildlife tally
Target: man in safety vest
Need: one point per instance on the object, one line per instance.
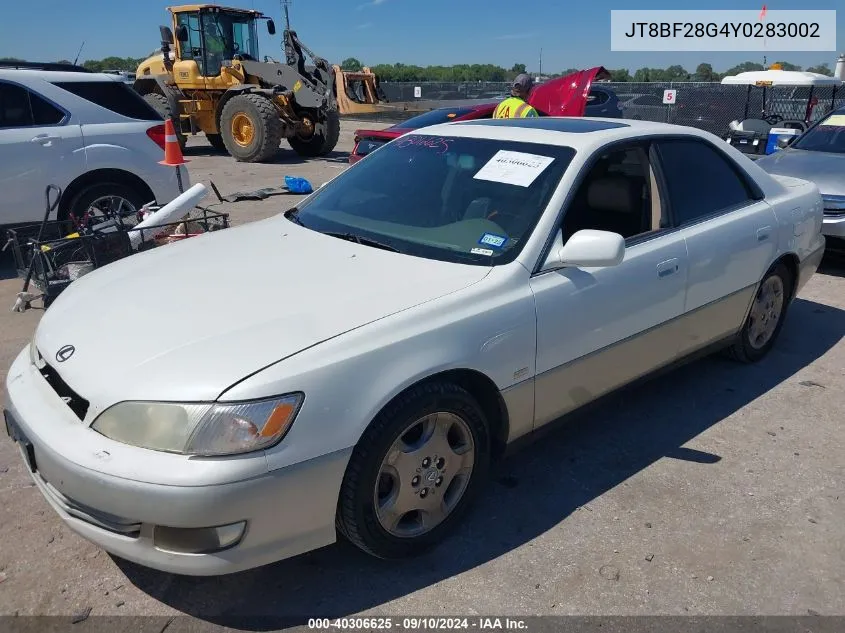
(515, 106)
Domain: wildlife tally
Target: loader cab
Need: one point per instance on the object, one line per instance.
(207, 37)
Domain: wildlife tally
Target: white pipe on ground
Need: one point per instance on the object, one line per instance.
(171, 212)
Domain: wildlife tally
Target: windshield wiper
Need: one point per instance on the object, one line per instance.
(364, 241)
(293, 216)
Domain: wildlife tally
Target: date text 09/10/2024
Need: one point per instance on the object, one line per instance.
(417, 624)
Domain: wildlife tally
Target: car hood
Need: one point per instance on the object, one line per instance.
(188, 320)
(566, 96)
(824, 169)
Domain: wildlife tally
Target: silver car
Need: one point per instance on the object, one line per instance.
(818, 155)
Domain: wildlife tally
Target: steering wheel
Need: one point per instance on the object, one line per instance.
(773, 119)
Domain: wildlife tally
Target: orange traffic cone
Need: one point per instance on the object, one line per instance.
(172, 152)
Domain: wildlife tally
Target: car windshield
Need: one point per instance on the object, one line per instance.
(435, 117)
(827, 136)
(464, 200)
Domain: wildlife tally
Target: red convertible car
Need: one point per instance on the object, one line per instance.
(572, 95)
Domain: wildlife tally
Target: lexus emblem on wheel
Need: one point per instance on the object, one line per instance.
(64, 353)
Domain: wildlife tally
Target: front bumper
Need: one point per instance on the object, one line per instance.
(287, 511)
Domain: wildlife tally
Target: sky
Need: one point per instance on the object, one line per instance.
(571, 33)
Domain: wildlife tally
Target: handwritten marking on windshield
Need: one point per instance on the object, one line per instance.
(430, 142)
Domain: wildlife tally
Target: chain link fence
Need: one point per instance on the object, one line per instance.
(708, 106)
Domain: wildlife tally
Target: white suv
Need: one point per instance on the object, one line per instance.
(88, 133)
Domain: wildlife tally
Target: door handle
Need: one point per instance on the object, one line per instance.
(43, 139)
(669, 267)
(764, 233)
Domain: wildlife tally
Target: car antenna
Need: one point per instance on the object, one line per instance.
(78, 53)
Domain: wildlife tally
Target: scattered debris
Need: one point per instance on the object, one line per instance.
(609, 572)
(51, 539)
(811, 520)
(64, 590)
(710, 578)
(82, 615)
(812, 612)
(106, 592)
(4, 469)
(796, 453)
(616, 551)
(3, 577)
(120, 603)
(120, 586)
(648, 525)
(772, 433)
(694, 576)
(649, 557)
(537, 586)
(811, 383)
(615, 518)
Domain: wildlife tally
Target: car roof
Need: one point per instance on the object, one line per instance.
(20, 74)
(575, 132)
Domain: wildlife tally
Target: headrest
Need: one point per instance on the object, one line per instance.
(618, 194)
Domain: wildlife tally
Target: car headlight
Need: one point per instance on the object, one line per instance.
(200, 428)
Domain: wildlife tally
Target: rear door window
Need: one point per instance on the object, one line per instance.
(700, 181)
(21, 108)
(114, 96)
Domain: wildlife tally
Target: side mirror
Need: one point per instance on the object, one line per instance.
(182, 33)
(587, 249)
(785, 141)
(166, 35)
(271, 27)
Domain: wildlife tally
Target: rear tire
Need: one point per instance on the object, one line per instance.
(216, 141)
(251, 128)
(162, 106)
(324, 139)
(765, 318)
(108, 196)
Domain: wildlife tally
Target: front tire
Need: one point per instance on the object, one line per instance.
(251, 128)
(415, 471)
(765, 319)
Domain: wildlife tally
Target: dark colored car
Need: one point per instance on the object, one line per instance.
(563, 96)
(367, 141)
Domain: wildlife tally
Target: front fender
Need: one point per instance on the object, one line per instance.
(489, 328)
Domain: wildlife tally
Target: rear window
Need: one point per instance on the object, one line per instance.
(114, 96)
(435, 117)
(367, 145)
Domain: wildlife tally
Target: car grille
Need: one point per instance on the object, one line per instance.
(833, 205)
(110, 522)
(73, 400)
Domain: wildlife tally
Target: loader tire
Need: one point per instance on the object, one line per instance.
(324, 139)
(251, 128)
(162, 106)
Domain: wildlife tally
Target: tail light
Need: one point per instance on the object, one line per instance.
(157, 135)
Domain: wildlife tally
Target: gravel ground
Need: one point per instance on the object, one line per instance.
(714, 490)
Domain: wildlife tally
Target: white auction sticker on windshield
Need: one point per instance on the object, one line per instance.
(836, 120)
(513, 168)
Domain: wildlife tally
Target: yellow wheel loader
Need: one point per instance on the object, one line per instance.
(209, 79)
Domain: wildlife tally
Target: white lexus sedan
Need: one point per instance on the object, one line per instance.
(355, 365)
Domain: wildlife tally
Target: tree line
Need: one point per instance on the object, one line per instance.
(490, 72)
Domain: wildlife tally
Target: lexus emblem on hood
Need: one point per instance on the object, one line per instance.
(64, 353)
